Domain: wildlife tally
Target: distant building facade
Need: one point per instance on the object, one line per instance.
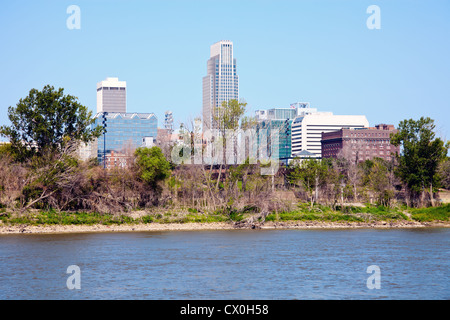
(361, 144)
(275, 127)
(125, 131)
(118, 160)
(308, 126)
(112, 96)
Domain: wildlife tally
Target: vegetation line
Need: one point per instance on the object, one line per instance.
(43, 181)
(304, 213)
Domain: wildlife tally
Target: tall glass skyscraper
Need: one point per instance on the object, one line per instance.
(221, 82)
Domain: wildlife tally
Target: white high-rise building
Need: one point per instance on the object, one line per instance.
(112, 96)
(221, 82)
(308, 126)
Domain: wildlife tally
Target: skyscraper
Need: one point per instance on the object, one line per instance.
(112, 96)
(221, 82)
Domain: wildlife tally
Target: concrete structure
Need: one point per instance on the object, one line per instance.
(221, 82)
(308, 126)
(359, 145)
(112, 96)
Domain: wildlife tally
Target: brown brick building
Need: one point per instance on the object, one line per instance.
(360, 144)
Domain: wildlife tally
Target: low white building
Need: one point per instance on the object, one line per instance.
(308, 126)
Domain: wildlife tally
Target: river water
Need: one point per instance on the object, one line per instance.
(241, 264)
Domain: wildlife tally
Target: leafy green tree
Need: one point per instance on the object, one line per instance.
(152, 168)
(228, 115)
(420, 156)
(152, 165)
(45, 121)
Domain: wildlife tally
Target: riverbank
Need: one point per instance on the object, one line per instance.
(53, 229)
(304, 217)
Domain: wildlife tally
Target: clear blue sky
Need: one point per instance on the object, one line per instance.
(287, 51)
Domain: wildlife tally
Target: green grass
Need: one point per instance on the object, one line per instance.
(66, 218)
(303, 212)
(305, 216)
(205, 218)
(344, 214)
(441, 213)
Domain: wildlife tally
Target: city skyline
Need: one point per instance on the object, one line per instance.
(289, 51)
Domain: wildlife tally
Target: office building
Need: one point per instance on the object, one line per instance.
(220, 84)
(277, 123)
(112, 96)
(308, 126)
(358, 145)
(125, 131)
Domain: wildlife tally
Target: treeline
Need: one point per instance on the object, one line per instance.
(61, 181)
(40, 169)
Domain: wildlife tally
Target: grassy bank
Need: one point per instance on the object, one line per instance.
(345, 214)
(364, 214)
(53, 217)
(303, 212)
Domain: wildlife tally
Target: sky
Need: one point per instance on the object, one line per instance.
(319, 51)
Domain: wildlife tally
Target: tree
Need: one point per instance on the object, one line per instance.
(444, 172)
(49, 174)
(347, 163)
(152, 168)
(226, 118)
(46, 120)
(421, 154)
(12, 177)
(311, 174)
(380, 183)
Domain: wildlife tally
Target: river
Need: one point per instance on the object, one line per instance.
(229, 264)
